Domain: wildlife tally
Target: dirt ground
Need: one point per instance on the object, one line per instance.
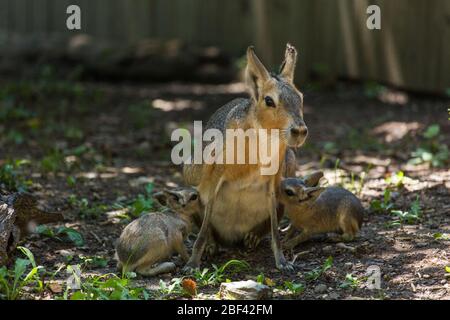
(93, 147)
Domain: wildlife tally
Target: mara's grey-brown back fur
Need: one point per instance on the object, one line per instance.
(148, 242)
(316, 210)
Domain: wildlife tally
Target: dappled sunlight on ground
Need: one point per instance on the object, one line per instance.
(101, 173)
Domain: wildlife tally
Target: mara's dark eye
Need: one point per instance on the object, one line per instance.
(193, 197)
(289, 192)
(269, 102)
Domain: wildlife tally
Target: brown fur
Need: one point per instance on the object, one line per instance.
(238, 201)
(155, 237)
(316, 210)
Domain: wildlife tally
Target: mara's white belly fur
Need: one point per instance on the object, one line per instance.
(240, 206)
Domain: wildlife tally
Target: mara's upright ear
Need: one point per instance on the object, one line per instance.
(314, 192)
(287, 68)
(256, 74)
(313, 179)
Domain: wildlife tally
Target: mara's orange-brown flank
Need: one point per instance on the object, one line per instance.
(239, 204)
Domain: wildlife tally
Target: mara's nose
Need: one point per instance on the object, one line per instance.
(299, 131)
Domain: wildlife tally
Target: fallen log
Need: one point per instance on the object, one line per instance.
(19, 212)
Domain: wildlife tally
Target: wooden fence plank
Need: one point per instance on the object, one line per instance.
(410, 50)
(444, 65)
(4, 19)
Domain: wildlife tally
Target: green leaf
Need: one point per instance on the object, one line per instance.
(72, 235)
(441, 236)
(328, 264)
(260, 278)
(376, 205)
(432, 131)
(45, 230)
(447, 269)
(28, 254)
(19, 269)
(149, 188)
(32, 273)
(78, 295)
(294, 287)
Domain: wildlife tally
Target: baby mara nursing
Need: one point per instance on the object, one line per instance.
(147, 243)
(317, 210)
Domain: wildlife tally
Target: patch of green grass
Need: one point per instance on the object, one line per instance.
(384, 205)
(356, 181)
(411, 216)
(53, 162)
(330, 147)
(14, 136)
(373, 89)
(441, 236)
(317, 272)
(11, 176)
(25, 273)
(218, 275)
(105, 287)
(350, 281)
(92, 262)
(85, 209)
(173, 287)
(293, 287)
(143, 203)
(261, 278)
(360, 139)
(432, 150)
(71, 181)
(395, 180)
(140, 205)
(73, 133)
(141, 114)
(10, 110)
(56, 160)
(61, 234)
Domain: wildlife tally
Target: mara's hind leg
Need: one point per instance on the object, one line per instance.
(251, 241)
(150, 271)
(349, 227)
(302, 237)
(253, 238)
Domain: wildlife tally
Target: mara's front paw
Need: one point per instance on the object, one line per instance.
(285, 266)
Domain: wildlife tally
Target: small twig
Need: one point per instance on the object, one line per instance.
(302, 253)
(96, 237)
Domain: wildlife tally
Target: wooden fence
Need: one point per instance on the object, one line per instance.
(411, 50)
